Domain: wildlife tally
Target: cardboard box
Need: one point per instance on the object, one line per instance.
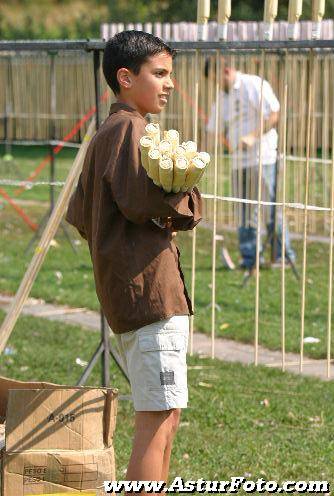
(67, 419)
(7, 384)
(59, 472)
(58, 440)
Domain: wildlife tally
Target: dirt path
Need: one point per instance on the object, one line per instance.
(225, 349)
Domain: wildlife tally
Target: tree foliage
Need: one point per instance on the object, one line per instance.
(22, 19)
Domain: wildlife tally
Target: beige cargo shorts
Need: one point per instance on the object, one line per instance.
(154, 358)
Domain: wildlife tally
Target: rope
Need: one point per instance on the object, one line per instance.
(231, 199)
(30, 184)
(299, 206)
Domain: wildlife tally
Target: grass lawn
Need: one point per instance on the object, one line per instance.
(66, 277)
(26, 160)
(241, 420)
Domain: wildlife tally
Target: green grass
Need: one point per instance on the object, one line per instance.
(26, 160)
(228, 430)
(235, 316)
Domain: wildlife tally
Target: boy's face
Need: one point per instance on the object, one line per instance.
(149, 90)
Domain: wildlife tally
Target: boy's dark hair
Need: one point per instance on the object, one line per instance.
(130, 49)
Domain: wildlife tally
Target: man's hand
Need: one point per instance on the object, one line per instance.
(247, 141)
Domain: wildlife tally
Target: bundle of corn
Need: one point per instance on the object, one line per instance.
(173, 166)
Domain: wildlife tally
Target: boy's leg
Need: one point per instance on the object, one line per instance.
(155, 356)
(168, 450)
(152, 445)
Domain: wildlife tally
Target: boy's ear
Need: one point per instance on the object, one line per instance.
(124, 78)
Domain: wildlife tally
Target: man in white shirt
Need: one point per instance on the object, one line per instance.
(239, 128)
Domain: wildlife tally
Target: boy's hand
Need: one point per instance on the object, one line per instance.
(163, 223)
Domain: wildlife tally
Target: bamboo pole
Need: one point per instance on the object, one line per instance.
(203, 14)
(224, 13)
(325, 133)
(318, 8)
(258, 226)
(330, 270)
(318, 12)
(295, 10)
(44, 244)
(306, 196)
(284, 130)
(270, 12)
(214, 233)
(294, 13)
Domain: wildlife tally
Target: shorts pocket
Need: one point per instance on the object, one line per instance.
(164, 360)
(168, 342)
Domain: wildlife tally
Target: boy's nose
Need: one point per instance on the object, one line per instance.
(170, 84)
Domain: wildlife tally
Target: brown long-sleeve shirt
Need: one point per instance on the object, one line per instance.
(136, 264)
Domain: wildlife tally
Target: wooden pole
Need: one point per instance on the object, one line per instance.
(258, 227)
(284, 131)
(294, 13)
(330, 270)
(306, 200)
(194, 233)
(318, 12)
(214, 233)
(270, 13)
(224, 13)
(42, 249)
(203, 14)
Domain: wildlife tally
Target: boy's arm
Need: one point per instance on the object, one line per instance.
(74, 213)
(135, 194)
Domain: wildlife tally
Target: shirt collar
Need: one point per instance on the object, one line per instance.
(237, 81)
(115, 107)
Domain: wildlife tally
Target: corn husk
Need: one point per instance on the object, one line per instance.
(166, 173)
(173, 137)
(146, 143)
(180, 171)
(153, 131)
(165, 148)
(154, 156)
(194, 173)
(191, 149)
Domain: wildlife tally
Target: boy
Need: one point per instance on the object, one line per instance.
(137, 273)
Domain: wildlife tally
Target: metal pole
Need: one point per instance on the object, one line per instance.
(52, 132)
(105, 357)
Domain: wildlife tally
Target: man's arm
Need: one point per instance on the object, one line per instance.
(269, 123)
(135, 194)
